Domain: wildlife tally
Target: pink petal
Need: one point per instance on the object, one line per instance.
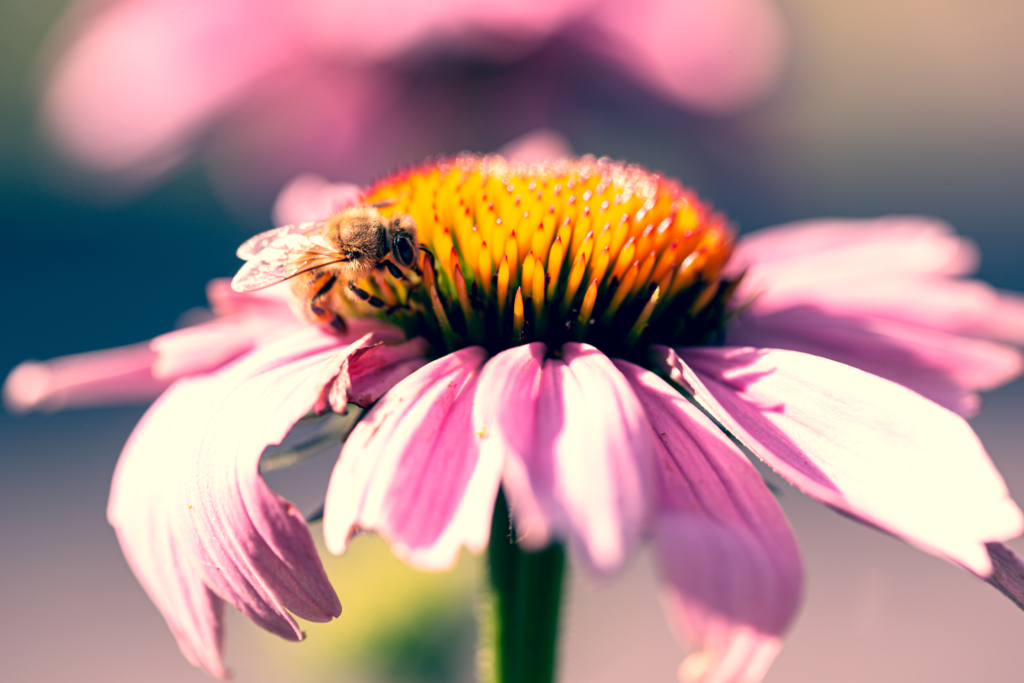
(861, 444)
(505, 418)
(139, 372)
(412, 469)
(966, 307)
(943, 367)
(728, 556)
(111, 376)
(310, 197)
(209, 345)
(896, 268)
(577, 448)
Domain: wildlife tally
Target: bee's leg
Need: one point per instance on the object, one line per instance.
(416, 265)
(396, 307)
(393, 269)
(319, 313)
(363, 295)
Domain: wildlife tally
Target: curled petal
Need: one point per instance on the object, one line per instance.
(120, 375)
(412, 469)
(577, 448)
(861, 444)
(730, 562)
(252, 546)
(177, 485)
(371, 371)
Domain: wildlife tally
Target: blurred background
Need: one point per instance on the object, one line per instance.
(122, 192)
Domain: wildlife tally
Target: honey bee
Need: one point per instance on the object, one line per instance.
(347, 247)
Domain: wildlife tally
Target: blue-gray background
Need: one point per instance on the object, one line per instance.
(887, 107)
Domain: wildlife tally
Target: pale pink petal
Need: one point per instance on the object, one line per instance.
(111, 376)
(797, 255)
(730, 561)
(542, 144)
(577, 447)
(944, 367)
(310, 197)
(861, 444)
(412, 469)
(714, 55)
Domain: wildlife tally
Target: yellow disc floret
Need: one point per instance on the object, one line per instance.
(569, 250)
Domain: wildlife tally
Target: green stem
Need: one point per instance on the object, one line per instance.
(519, 617)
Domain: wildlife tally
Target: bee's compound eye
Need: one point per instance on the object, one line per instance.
(404, 250)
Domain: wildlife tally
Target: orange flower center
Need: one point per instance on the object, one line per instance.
(569, 250)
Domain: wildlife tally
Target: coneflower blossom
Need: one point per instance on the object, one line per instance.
(569, 346)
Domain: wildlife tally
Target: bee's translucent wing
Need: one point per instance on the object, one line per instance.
(253, 246)
(380, 204)
(284, 257)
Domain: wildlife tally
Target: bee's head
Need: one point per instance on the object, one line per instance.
(404, 244)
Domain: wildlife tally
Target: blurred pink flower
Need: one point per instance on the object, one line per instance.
(594, 451)
(272, 87)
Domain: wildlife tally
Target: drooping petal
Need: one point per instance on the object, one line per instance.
(946, 368)
(412, 469)
(727, 553)
(141, 502)
(163, 511)
(252, 546)
(121, 375)
(577, 448)
(861, 444)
